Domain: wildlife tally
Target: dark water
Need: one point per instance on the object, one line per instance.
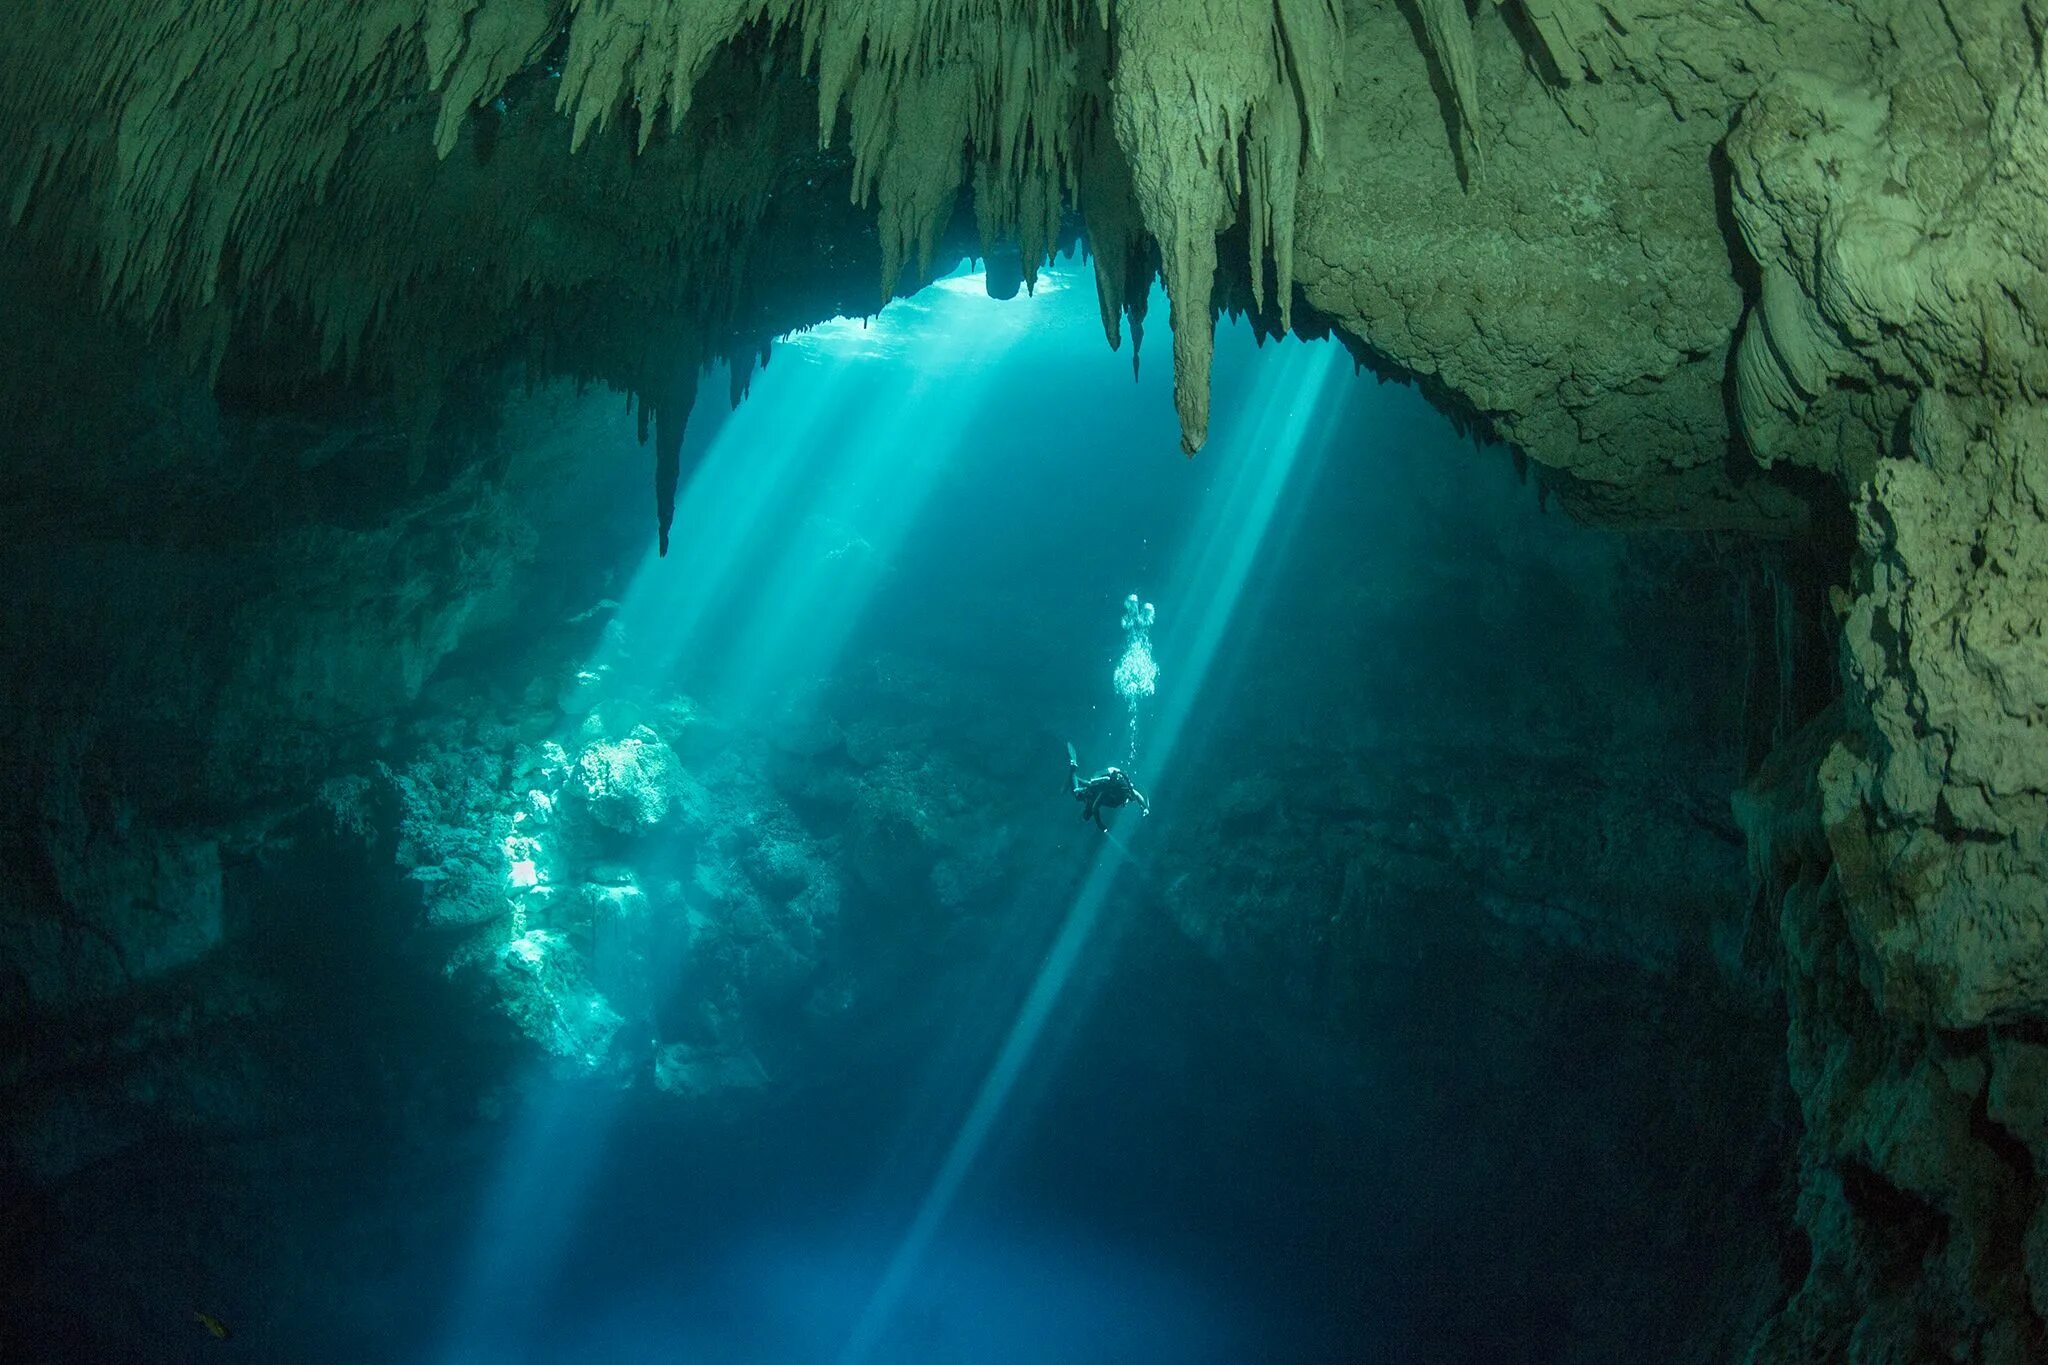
(1149, 1098)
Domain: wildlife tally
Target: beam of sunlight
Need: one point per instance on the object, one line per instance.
(864, 506)
(1282, 449)
(728, 503)
(845, 450)
(791, 515)
(552, 1156)
(535, 1202)
(1260, 457)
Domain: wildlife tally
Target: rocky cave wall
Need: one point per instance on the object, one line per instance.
(1747, 265)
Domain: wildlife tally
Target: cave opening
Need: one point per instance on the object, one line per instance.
(864, 607)
(709, 960)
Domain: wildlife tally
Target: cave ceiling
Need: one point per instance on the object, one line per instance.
(1538, 206)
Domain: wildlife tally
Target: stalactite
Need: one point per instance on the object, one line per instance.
(1272, 165)
(1786, 358)
(910, 153)
(1190, 79)
(1102, 189)
(667, 401)
(1288, 133)
(1448, 27)
(1138, 301)
(1586, 38)
(646, 54)
(474, 47)
(739, 368)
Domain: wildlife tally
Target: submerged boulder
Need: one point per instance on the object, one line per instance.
(693, 1072)
(781, 867)
(546, 990)
(455, 832)
(628, 785)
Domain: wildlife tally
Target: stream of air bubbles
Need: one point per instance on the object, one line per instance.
(1137, 674)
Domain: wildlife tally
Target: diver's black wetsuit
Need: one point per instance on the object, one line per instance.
(1110, 787)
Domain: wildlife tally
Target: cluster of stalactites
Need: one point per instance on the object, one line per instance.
(1162, 118)
(223, 155)
(1171, 119)
(1217, 104)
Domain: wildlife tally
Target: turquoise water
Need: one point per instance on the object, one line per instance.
(716, 969)
(1068, 1128)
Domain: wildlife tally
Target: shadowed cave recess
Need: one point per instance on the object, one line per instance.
(502, 868)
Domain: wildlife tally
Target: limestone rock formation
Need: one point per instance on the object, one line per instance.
(627, 784)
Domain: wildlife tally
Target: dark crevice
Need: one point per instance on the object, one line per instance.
(1901, 1229)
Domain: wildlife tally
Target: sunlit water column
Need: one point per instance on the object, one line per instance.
(853, 427)
(810, 487)
(1274, 443)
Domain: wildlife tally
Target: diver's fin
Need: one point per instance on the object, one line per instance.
(1072, 757)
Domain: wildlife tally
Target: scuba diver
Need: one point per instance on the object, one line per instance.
(1110, 787)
